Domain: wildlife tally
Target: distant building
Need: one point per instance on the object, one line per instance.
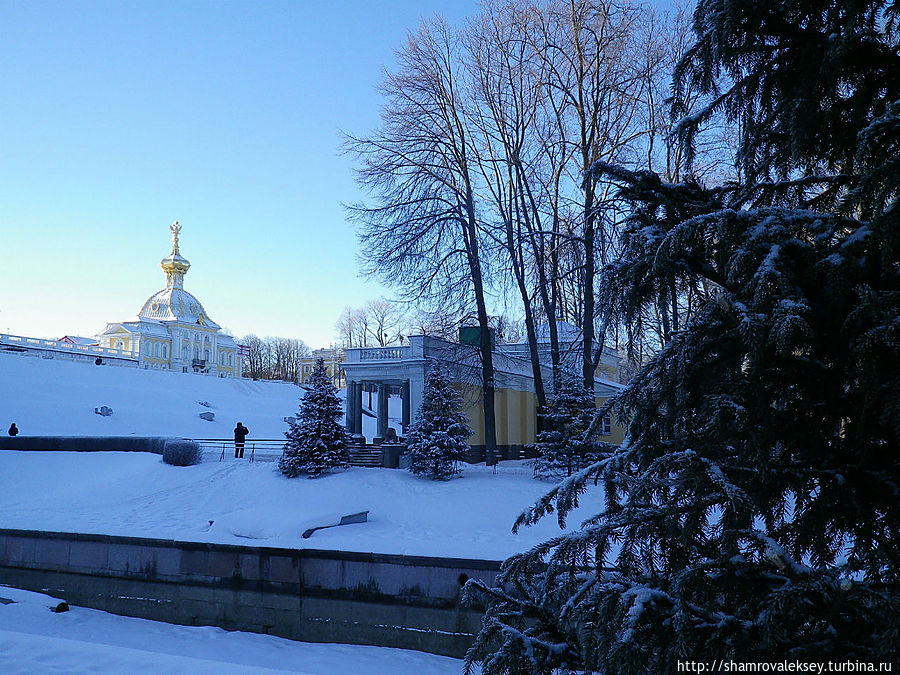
(389, 369)
(568, 336)
(172, 331)
(77, 340)
(333, 359)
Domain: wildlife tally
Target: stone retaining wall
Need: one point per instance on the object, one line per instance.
(318, 596)
(154, 444)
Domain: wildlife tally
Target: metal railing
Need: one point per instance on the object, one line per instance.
(263, 450)
(271, 450)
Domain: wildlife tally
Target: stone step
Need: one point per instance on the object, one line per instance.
(365, 457)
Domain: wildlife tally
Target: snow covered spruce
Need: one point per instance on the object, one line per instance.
(437, 439)
(563, 447)
(751, 512)
(316, 441)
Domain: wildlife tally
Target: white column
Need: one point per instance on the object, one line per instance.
(416, 391)
(382, 410)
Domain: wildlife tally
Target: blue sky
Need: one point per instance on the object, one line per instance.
(119, 117)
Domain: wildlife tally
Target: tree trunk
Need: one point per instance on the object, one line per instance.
(587, 324)
(484, 345)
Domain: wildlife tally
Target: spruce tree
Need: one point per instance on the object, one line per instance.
(751, 513)
(437, 439)
(316, 440)
(563, 446)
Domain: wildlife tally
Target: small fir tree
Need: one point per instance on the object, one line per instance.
(437, 439)
(316, 441)
(562, 445)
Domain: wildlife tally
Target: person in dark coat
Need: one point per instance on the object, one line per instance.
(13, 429)
(240, 434)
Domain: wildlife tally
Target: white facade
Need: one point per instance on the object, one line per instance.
(172, 331)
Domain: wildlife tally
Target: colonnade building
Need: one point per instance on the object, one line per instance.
(403, 369)
(172, 331)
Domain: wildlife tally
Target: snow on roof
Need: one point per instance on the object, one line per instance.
(175, 304)
(137, 326)
(225, 340)
(565, 332)
(78, 340)
(608, 387)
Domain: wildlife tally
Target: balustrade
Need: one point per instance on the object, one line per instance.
(383, 353)
(55, 345)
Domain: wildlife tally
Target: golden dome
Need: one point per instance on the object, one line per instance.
(173, 303)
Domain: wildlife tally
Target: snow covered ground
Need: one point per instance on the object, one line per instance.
(136, 494)
(36, 640)
(57, 398)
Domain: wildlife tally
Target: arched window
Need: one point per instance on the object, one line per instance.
(156, 349)
(230, 359)
(165, 351)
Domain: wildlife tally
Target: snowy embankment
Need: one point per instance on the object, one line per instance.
(51, 397)
(35, 640)
(57, 398)
(136, 494)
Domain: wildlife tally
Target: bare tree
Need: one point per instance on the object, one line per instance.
(591, 93)
(421, 231)
(480, 172)
(274, 358)
(377, 323)
(256, 363)
(442, 323)
(507, 79)
(559, 85)
(351, 328)
(287, 355)
(385, 321)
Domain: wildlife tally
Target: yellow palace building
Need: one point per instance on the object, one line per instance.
(402, 368)
(172, 331)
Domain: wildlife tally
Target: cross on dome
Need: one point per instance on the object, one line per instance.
(176, 230)
(174, 265)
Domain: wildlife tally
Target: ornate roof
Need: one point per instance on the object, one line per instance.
(173, 303)
(176, 304)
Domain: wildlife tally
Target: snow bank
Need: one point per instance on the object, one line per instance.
(35, 640)
(136, 494)
(50, 397)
